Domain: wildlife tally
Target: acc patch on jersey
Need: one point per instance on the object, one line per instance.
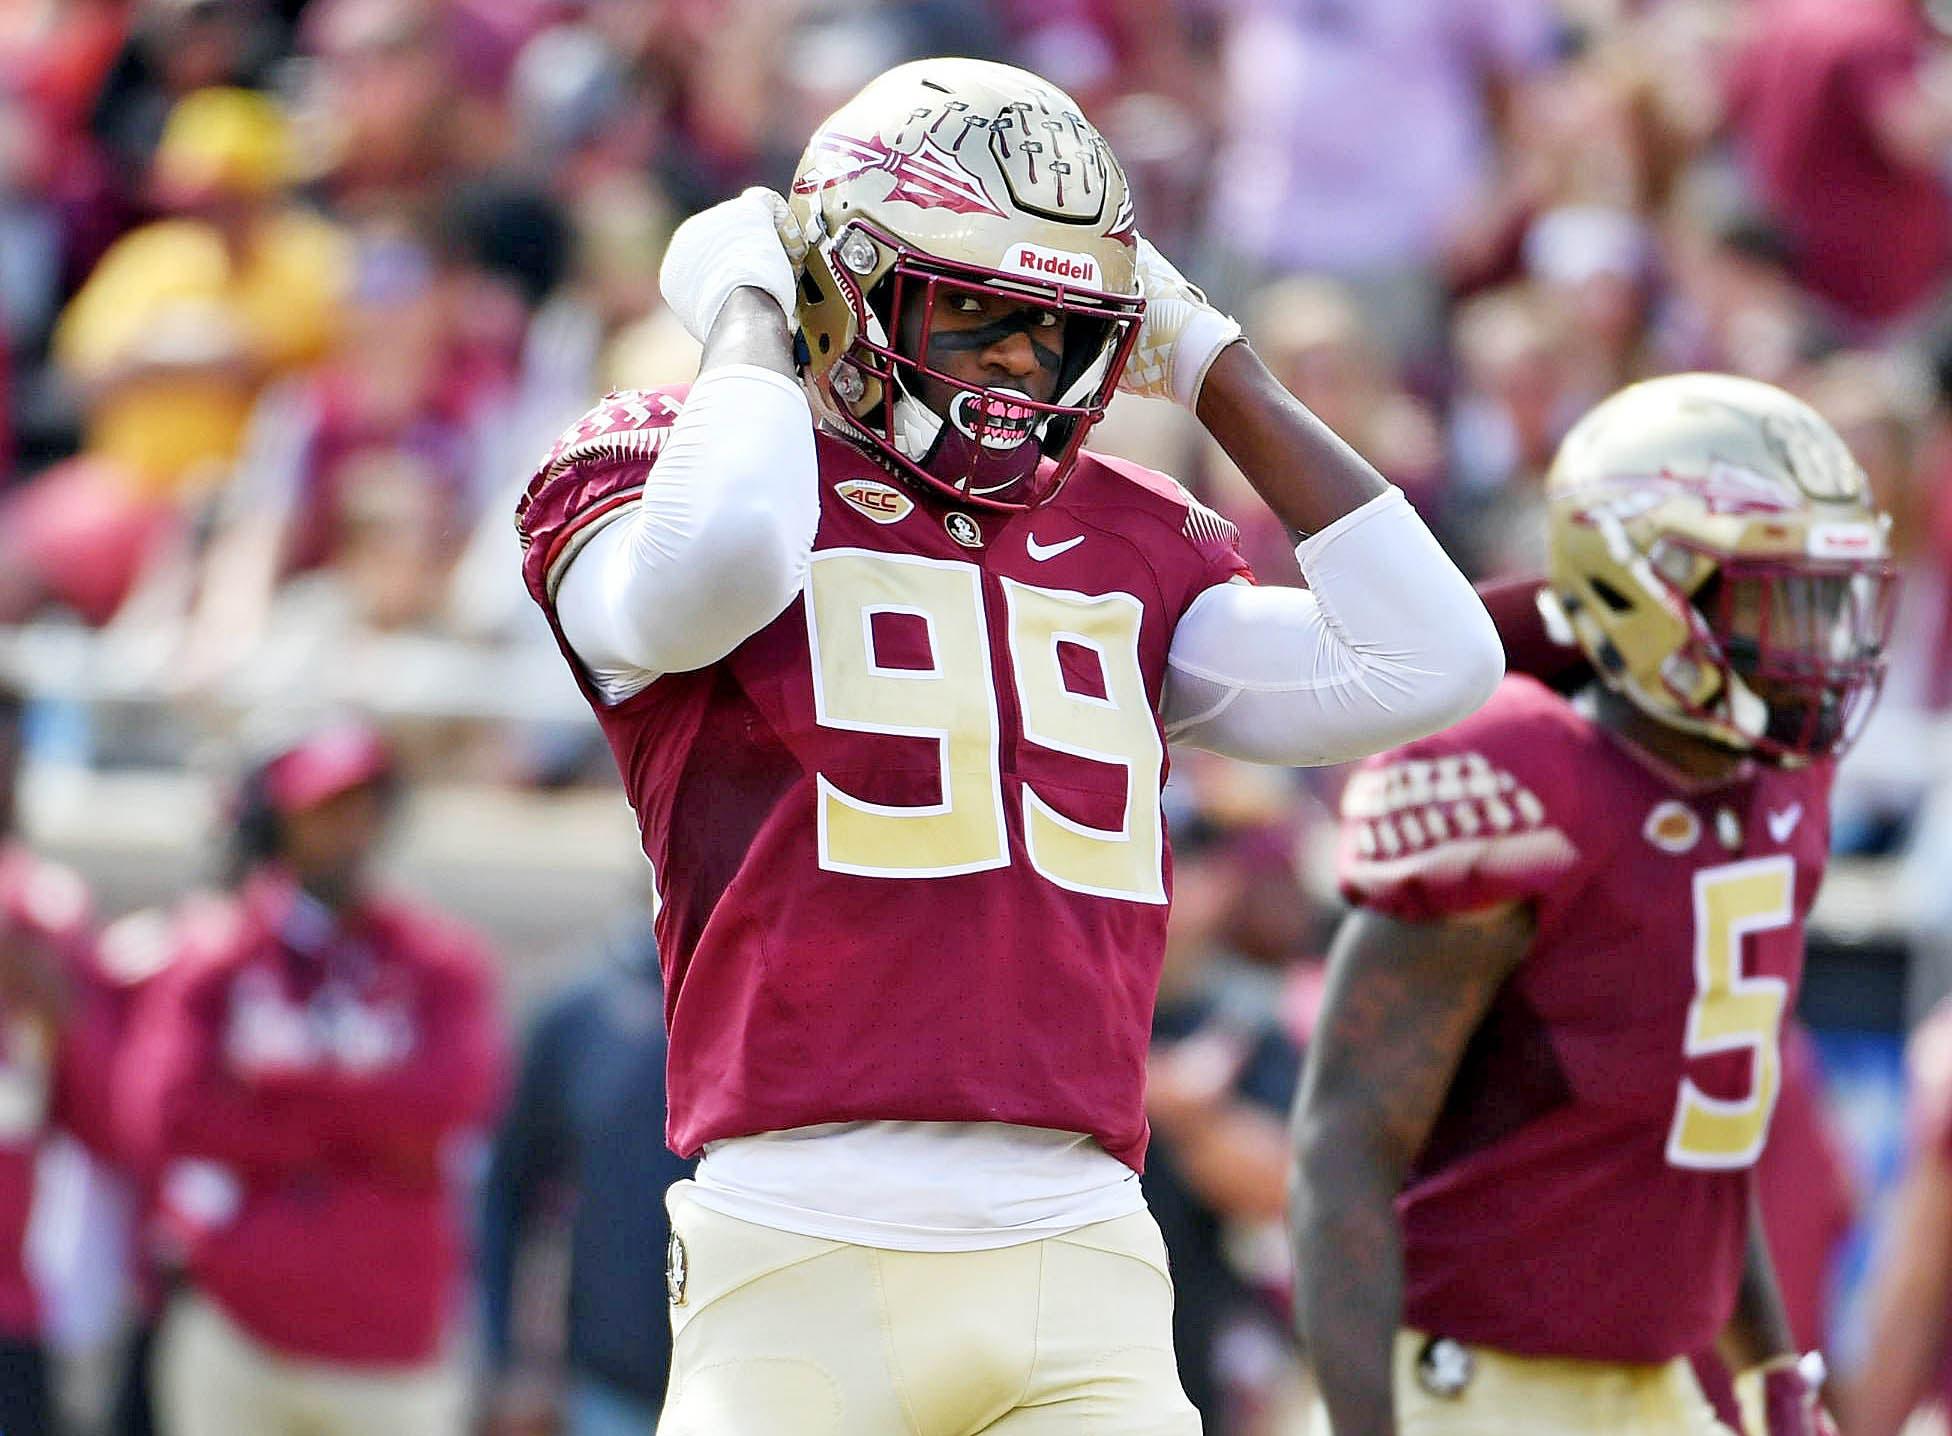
(884, 503)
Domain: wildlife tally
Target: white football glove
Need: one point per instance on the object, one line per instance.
(1180, 336)
(752, 241)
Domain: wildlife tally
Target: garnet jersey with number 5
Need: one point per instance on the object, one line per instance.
(1584, 1192)
(907, 836)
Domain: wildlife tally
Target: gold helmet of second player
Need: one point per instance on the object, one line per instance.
(1715, 551)
(950, 178)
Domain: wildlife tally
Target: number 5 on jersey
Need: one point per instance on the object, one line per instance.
(1731, 1012)
(953, 701)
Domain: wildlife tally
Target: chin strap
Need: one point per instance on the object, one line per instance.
(917, 427)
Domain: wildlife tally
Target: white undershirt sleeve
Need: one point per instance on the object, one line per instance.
(1388, 643)
(715, 549)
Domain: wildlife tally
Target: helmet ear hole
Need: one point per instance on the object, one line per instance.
(1611, 596)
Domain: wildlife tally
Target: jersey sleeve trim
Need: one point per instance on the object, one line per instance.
(1441, 821)
(579, 530)
(589, 477)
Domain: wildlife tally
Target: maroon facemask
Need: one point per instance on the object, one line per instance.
(1806, 637)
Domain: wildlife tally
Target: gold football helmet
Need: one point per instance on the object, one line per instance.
(964, 175)
(1714, 550)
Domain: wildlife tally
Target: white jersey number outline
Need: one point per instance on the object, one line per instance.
(1731, 1012)
(954, 702)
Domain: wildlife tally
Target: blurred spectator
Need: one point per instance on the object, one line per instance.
(56, 1034)
(175, 48)
(390, 409)
(6, 417)
(1095, 49)
(134, 951)
(363, 482)
(1513, 404)
(300, 1076)
(1843, 119)
(77, 538)
(621, 228)
(51, 62)
(168, 341)
(1218, 1085)
(586, 1130)
(504, 248)
(1595, 265)
(567, 90)
(1312, 336)
(56, 210)
(185, 317)
(1910, 1286)
(1359, 137)
(1735, 305)
(390, 108)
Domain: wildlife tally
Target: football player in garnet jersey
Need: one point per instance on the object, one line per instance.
(1548, 1053)
(889, 662)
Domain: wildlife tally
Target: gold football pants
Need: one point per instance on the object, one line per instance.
(789, 1335)
(213, 1378)
(1493, 1393)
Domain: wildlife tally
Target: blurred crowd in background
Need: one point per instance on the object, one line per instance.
(293, 294)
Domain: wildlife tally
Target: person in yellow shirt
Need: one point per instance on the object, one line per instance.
(168, 343)
(183, 319)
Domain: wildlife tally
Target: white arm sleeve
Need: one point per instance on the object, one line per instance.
(716, 547)
(1388, 643)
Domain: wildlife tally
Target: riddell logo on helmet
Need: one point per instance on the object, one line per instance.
(1059, 264)
(1845, 540)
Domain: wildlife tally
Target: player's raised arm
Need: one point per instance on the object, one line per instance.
(718, 543)
(1403, 1000)
(1388, 643)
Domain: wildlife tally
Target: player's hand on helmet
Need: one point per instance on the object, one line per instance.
(1180, 336)
(1780, 1398)
(752, 241)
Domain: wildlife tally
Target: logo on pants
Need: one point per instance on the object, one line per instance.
(1445, 1368)
(677, 1269)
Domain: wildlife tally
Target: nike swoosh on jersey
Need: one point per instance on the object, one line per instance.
(1041, 552)
(1782, 824)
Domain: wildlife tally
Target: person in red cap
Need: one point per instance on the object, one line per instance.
(298, 1080)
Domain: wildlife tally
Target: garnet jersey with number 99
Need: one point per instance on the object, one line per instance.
(907, 836)
(1584, 1191)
